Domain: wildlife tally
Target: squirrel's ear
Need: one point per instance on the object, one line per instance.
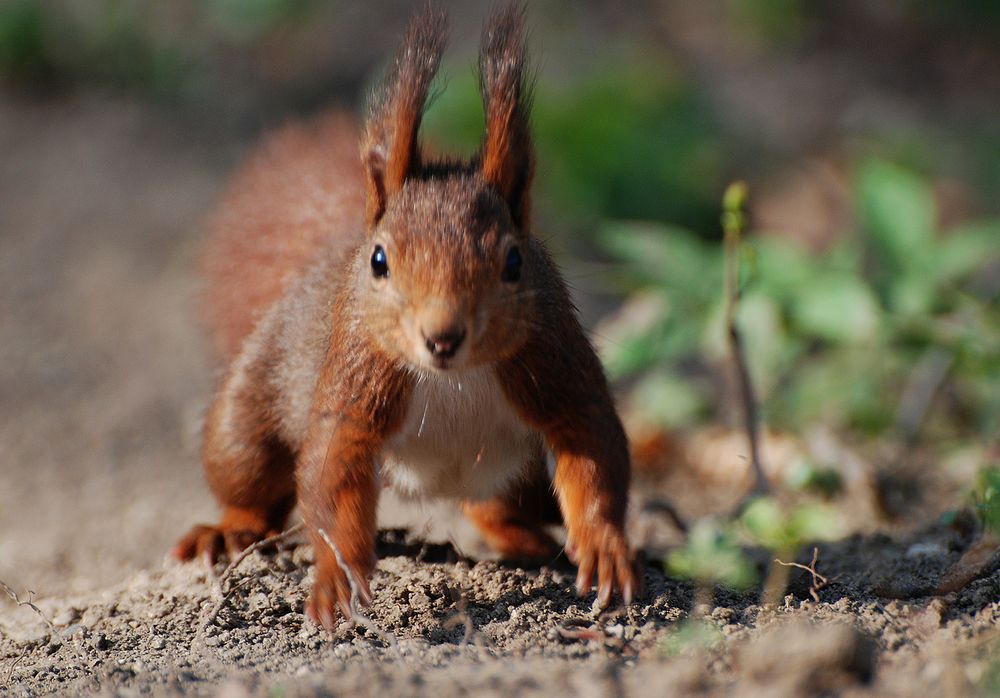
(507, 158)
(389, 148)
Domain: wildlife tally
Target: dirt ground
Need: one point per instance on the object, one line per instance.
(102, 384)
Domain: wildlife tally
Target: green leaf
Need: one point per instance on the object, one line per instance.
(986, 496)
(912, 294)
(898, 210)
(668, 400)
(783, 268)
(805, 475)
(966, 249)
(691, 636)
(765, 341)
(711, 556)
(667, 256)
(838, 307)
(784, 532)
(629, 340)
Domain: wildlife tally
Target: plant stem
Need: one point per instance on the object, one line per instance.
(775, 583)
(732, 223)
(704, 595)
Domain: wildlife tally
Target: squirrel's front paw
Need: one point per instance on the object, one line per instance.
(333, 590)
(604, 549)
(212, 542)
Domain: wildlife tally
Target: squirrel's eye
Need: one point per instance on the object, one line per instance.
(380, 263)
(512, 267)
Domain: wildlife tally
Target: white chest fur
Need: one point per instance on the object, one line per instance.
(460, 439)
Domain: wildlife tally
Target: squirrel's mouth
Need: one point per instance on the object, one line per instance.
(442, 352)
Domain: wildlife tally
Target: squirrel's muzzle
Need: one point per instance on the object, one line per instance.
(444, 345)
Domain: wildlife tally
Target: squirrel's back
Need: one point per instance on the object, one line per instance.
(299, 194)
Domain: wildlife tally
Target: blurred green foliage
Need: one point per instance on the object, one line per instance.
(834, 337)
(22, 49)
(711, 556)
(626, 139)
(986, 498)
(689, 636)
(149, 48)
(633, 154)
(785, 530)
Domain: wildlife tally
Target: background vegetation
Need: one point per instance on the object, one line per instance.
(870, 269)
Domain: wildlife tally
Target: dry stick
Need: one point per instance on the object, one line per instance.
(819, 582)
(30, 604)
(224, 577)
(41, 614)
(462, 617)
(13, 665)
(356, 615)
(732, 221)
(270, 540)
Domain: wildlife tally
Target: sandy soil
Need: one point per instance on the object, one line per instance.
(102, 384)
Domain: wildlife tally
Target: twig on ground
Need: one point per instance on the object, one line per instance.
(29, 602)
(975, 562)
(356, 615)
(461, 617)
(250, 550)
(13, 666)
(224, 593)
(819, 582)
(732, 222)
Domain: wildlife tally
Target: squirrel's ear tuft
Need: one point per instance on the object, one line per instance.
(389, 148)
(507, 158)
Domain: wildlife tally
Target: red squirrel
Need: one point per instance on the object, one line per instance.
(390, 320)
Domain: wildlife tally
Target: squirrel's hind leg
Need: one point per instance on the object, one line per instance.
(514, 523)
(250, 471)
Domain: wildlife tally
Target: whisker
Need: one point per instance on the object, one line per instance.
(523, 364)
(420, 429)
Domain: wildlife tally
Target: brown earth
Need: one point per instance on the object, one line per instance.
(103, 379)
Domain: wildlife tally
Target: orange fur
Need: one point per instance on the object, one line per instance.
(508, 161)
(300, 191)
(376, 333)
(390, 151)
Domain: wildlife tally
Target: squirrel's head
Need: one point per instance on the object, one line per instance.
(448, 275)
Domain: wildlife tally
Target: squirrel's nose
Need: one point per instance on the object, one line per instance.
(443, 345)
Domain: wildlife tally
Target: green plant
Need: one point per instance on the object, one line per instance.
(711, 556)
(784, 531)
(689, 636)
(22, 42)
(986, 498)
(835, 339)
(621, 139)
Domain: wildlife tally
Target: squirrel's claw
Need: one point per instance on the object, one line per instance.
(203, 542)
(332, 593)
(210, 543)
(608, 554)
